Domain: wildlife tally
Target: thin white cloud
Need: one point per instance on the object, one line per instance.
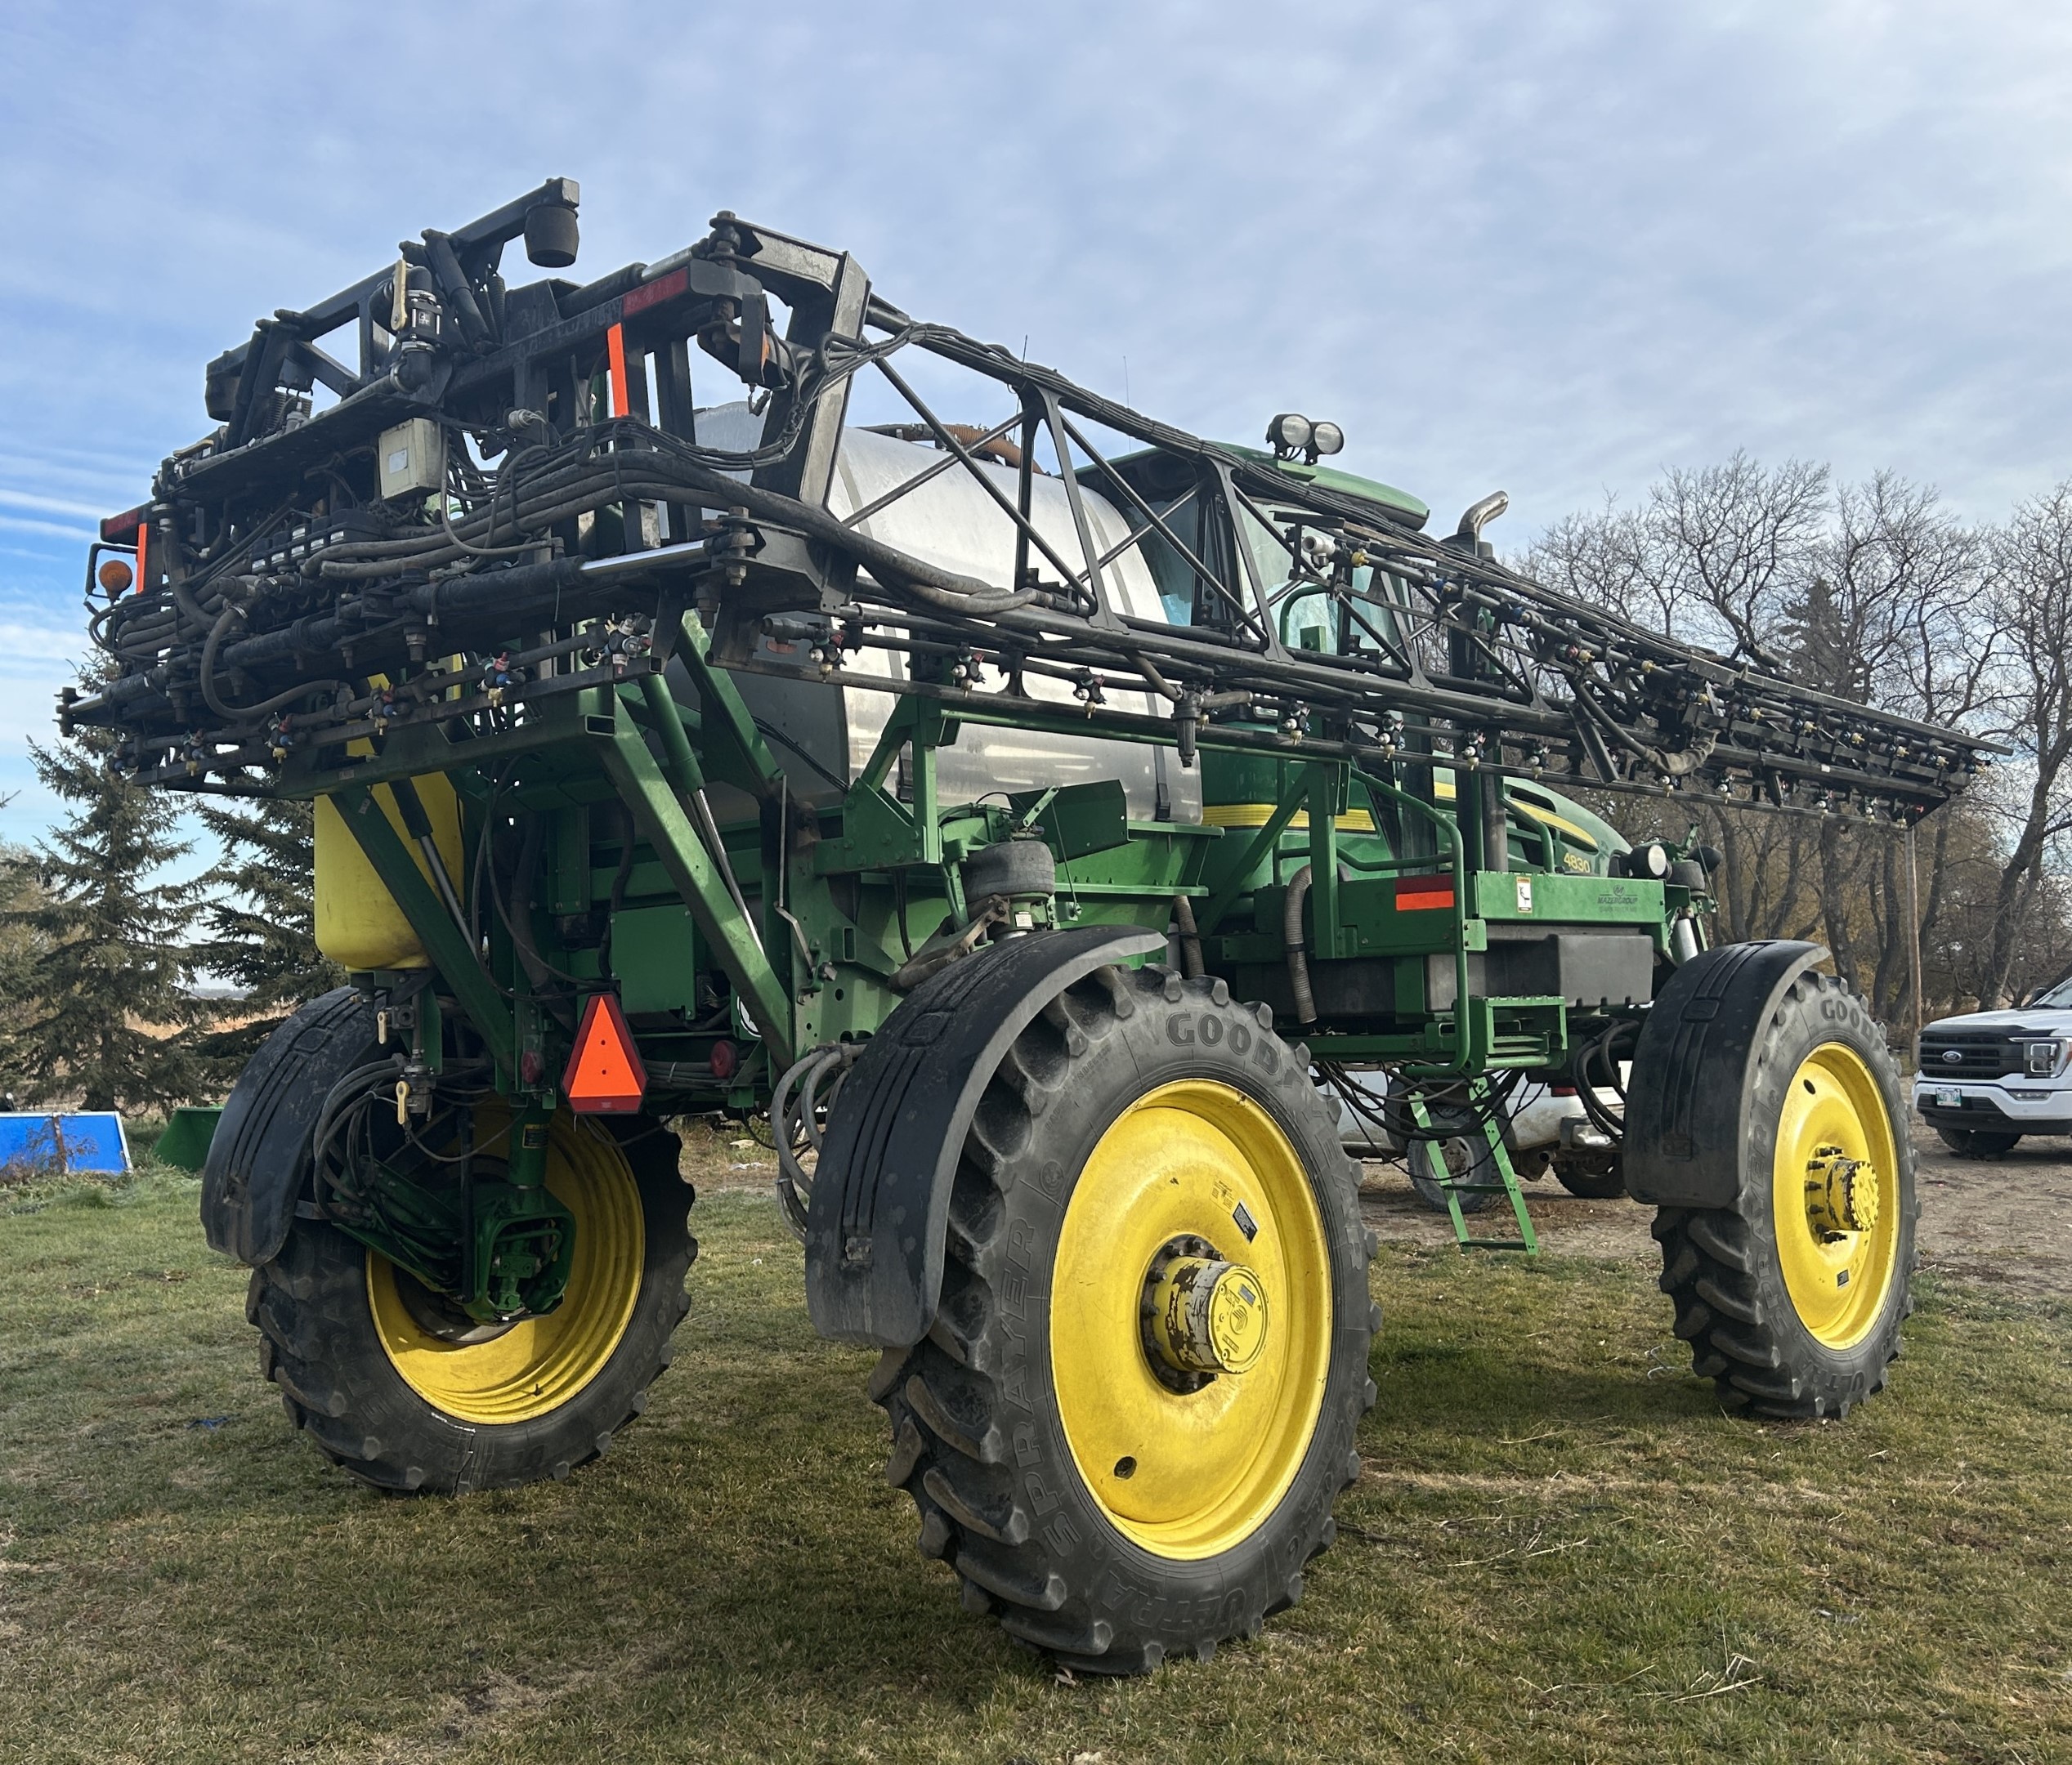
(23, 524)
(49, 504)
(23, 641)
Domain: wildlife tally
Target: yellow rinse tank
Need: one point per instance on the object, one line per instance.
(358, 924)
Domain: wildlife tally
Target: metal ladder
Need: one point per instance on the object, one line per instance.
(1453, 1188)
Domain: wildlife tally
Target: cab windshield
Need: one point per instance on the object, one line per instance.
(1307, 617)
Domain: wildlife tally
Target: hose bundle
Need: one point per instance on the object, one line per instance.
(797, 1112)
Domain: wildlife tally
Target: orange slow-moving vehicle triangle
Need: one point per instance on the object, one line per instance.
(605, 1075)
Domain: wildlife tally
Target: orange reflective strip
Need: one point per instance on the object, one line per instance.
(1414, 894)
(622, 404)
(143, 551)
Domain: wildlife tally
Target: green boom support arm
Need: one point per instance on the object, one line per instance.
(665, 826)
(444, 941)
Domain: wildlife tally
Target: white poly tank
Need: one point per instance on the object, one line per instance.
(949, 521)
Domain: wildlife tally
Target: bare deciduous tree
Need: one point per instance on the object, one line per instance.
(2031, 605)
(1877, 593)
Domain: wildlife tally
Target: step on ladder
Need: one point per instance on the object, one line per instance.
(1491, 1132)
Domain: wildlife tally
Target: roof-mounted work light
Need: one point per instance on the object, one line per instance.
(1289, 434)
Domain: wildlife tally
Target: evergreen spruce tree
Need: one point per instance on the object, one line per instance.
(19, 944)
(263, 920)
(104, 960)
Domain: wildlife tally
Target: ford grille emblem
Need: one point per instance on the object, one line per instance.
(1955, 1056)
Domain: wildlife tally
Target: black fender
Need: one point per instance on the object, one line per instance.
(260, 1154)
(1693, 1069)
(875, 1225)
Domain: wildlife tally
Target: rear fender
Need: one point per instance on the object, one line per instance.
(259, 1159)
(1693, 1069)
(875, 1227)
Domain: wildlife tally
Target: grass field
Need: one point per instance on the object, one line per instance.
(1560, 1550)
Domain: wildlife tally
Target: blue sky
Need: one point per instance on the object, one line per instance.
(1554, 248)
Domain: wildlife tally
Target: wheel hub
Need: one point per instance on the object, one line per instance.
(1840, 1193)
(1203, 1316)
(439, 1317)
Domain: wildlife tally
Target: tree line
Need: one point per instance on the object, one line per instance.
(1873, 592)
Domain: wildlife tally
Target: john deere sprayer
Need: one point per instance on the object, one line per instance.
(1046, 816)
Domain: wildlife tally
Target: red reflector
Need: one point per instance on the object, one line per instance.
(1561, 1090)
(116, 530)
(605, 1075)
(1413, 893)
(654, 293)
(725, 1060)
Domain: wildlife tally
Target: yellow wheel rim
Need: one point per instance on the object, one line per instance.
(1836, 1196)
(1188, 1474)
(537, 1364)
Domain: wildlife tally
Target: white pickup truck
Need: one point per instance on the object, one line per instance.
(1984, 1080)
(1546, 1129)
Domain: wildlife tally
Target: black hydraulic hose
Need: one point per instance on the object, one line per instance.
(623, 832)
(231, 614)
(508, 591)
(651, 474)
(809, 1091)
(186, 604)
(351, 1089)
(794, 1185)
(1190, 937)
(1292, 941)
(1583, 1070)
(1465, 1118)
(771, 732)
(1356, 1102)
(513, 591)
(517, 923)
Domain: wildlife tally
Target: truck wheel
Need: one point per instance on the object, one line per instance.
(404, 1390)
(1973, 1142)
(1466, 1159)
(1139, 1399)
(1792, 1297)
(1588, 1183)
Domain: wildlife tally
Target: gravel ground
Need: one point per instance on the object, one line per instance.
(2006, 1220)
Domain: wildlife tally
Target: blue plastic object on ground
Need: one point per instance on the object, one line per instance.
(61, 1145)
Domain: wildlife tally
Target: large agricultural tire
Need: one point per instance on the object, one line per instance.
(397, 1395)
(1109, 1508)
(1793, 1295)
